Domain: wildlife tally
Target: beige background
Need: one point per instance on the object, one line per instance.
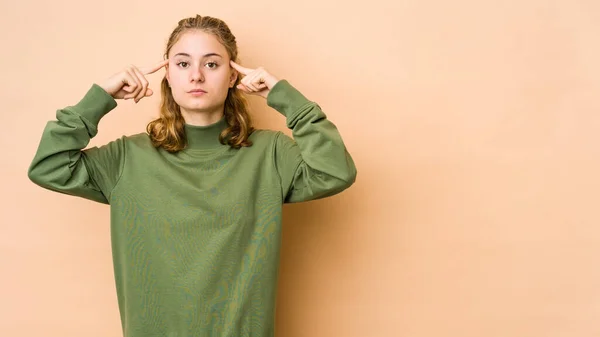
(474, 126)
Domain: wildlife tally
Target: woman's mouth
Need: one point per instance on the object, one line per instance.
(197, 92)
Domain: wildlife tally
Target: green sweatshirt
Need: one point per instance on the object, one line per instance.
(195, 234)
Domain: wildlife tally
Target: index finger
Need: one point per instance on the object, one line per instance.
(155, 68)
(244, 71)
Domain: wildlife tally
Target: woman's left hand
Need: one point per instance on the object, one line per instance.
(255, 81)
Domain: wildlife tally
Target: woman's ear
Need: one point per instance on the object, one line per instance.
(233, 77)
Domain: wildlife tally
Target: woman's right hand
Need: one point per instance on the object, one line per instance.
(130, 82)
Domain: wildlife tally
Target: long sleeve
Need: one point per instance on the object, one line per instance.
(61, 164)
(315, 163)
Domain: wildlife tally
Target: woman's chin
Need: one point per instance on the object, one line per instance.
(201, 108)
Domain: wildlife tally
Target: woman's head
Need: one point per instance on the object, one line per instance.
(199, 50)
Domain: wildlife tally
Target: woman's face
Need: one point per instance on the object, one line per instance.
(199, 72)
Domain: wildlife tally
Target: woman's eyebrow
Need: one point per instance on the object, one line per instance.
(205, 55)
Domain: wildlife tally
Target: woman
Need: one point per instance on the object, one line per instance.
(196, 202)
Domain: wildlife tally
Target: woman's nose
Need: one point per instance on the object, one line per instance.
(197, 75)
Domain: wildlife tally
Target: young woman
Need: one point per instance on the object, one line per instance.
(196, 201)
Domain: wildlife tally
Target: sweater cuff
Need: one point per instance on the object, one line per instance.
(286, 99)
(95, 104)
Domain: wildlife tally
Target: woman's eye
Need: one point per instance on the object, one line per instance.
(211, 65)
(182, 64)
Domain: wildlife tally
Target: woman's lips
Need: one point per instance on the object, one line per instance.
(197, 92)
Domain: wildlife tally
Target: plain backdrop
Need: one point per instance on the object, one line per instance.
(474, 126)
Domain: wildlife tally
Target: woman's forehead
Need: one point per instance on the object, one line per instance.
(198, 44)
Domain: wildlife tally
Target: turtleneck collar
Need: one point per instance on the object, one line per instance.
(205, 137)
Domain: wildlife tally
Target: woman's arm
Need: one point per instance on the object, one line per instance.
(315, 163)
(60, 163)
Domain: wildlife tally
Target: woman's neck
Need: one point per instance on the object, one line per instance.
(202, 118)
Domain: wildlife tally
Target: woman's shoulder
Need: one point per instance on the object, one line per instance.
(267, 136)
(139, 140)
(140, 137)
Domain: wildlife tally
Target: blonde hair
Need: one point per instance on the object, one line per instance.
(167, 131)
